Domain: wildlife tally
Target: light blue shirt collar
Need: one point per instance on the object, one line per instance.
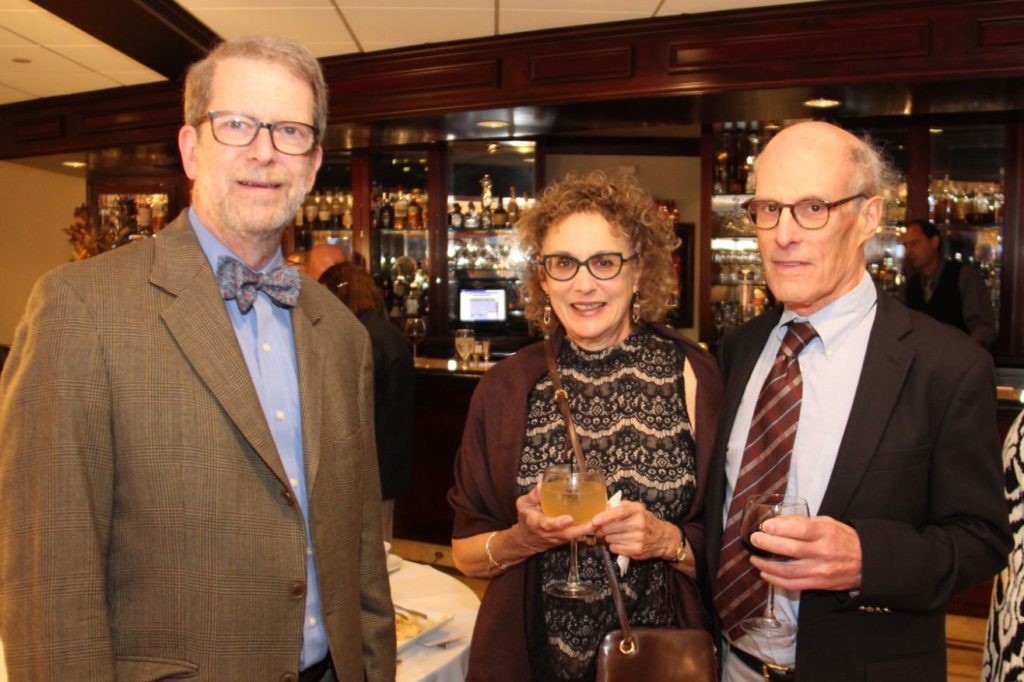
(835, 321)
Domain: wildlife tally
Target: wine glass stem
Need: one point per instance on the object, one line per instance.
(574, 566)
(769, 606)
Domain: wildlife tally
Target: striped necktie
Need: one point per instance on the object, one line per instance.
(739, 591)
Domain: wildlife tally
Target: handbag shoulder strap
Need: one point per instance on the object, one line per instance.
(561, 398)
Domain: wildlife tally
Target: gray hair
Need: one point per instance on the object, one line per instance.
(874, 174)
(291, 55)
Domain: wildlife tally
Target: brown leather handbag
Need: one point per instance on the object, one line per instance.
(639, 654)
(663, 654)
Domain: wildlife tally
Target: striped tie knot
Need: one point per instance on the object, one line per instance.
(798, 335)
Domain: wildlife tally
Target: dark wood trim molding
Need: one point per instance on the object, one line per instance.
(815, 44)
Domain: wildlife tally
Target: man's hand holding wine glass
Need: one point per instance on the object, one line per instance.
(826, 554)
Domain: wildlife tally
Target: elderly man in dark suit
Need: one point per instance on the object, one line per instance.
(188, 483)
(881, 418)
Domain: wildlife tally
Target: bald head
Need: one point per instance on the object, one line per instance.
(809, 268)
(321, 257)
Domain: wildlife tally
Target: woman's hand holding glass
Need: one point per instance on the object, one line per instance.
(631, 530)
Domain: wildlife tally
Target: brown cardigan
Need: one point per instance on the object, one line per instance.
(484, 499)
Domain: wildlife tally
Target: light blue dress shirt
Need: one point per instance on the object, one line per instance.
(268, 345)
(830, 368)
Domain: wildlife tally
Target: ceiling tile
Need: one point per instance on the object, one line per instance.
(98, 57)
(331, 49)
(251, 4)
(377, 30)
(310, 25)
(134, 76)
(695, 6)
(436, 5)
(634, 7)
(514, 21)
(8, 39)
(44, 28)
(9, 95)
(59, 82)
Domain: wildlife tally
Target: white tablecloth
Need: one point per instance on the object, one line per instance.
(423, 588)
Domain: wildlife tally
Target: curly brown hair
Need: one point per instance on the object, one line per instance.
(630, 210)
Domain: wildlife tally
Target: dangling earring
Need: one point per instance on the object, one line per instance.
(546, 317)
(636, 308)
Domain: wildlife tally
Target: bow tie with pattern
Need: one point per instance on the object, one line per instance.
(239, 282)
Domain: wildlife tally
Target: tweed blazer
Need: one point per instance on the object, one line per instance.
(147, 528)
(919, 477)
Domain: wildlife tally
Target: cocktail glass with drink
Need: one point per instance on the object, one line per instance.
(580, 494)
(464, 342)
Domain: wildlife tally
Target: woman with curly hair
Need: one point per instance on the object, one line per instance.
(644, 401)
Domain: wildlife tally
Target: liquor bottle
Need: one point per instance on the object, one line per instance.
(414, 217)
(722, 160)
(513, 207)
(336, 210)
(387, 213)
(499, 216)
(309, 211)
(472, 219)
(375, 212)
(298, 231)
(753, 149)
(455, 217)
(401, 210)
(323, 212)
(738, 160)
(486, 218)
(144, 218)
(346, 213)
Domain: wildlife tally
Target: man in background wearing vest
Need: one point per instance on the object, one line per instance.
(947, 290)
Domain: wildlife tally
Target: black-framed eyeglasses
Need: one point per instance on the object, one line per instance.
(562, 267)
(810, 214)
(239, 130)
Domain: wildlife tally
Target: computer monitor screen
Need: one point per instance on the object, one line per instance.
(483, 305)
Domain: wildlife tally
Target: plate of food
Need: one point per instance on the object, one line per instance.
(412, 625)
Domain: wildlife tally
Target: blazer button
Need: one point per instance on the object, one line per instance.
(288, 497)
(289, 677)
(298, 590)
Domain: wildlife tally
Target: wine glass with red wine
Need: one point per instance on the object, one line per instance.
(758, 509)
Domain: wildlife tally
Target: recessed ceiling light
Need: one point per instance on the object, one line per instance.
(73, 164)
(935, 131)
(21, 60)
(492, 124)
(822, 103)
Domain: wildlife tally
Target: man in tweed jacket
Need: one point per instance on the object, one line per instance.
(189, 490)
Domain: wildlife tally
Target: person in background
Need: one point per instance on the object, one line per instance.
(645, 401)
(948, 290)
(1003, 660)
(883, 420)
(188, 486)
(394, 382)
(321, 257)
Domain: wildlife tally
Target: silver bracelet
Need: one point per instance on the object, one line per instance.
(490, 557)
